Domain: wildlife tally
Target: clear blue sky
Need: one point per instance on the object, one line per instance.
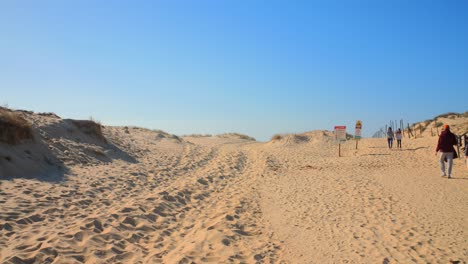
(254, 67)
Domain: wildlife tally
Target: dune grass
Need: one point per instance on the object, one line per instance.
(90, 127)
(13, 127)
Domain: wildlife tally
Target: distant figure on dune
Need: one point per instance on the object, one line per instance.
(398, 138)
(390, 137)
(447, 152)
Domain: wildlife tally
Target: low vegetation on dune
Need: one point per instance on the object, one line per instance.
(296, 138)
(162, 134)
(452, 115)
(90, 127)
(13, 127)
(306, 137)
(300, 138)
(433, 126)
(225, 135)
(276, 137)
(49, 114)
(198, 135)
(236, 135)
(158, 134)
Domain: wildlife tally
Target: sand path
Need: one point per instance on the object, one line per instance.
(230, 201)
(180, 204)
(372, 205)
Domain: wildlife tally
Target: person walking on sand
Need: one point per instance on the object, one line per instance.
(447, 152)
(466, 154)
(390, 137)
(398, 136)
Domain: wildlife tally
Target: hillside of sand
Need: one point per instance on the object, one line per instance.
(79, 192)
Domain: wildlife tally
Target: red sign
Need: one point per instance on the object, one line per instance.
(340, 133)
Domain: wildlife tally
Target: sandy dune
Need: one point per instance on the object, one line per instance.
(146, 196)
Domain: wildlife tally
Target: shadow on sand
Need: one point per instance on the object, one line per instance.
(458, 178)
(30, 160)
(43, 158)
(414, 149)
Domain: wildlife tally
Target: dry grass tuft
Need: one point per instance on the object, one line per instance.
(13, 127)
(277, 137)
(300, 138)
(90, 127)
(427, 122)
(198, 135)
(160, 134)
(448, 115)
(236, 135)
(49, 114)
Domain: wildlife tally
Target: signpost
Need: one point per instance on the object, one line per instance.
(340, 136)
(357, 133)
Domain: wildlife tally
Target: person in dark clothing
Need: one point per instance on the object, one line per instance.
(466, 153)
(390, 137)
(445, 146)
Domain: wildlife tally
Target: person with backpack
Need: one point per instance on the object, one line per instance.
(447, 152)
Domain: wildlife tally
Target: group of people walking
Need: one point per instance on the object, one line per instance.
(391, 136)
(445, 148)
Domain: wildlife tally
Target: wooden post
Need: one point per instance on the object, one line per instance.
(466, 141)
(409, 131)
(339, 149)
(466, 144)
